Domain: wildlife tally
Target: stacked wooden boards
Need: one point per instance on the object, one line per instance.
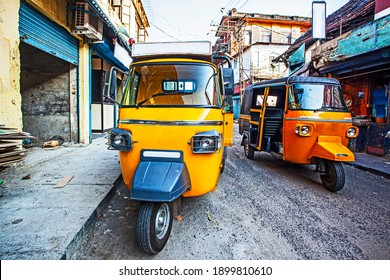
(11, 149)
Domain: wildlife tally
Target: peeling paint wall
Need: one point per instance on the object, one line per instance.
(10, 100)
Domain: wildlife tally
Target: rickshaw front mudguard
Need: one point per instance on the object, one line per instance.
(160, 179)
(331, 148)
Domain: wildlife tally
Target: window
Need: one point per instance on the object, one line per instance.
(285, 38)
(274, 66)
(116, 3)
(265, 36)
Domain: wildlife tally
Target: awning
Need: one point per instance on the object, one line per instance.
(361, 62)
(105, 50)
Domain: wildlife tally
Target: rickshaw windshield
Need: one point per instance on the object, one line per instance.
(170, 84)
(316, 97)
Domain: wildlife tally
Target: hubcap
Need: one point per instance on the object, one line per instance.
(162, 221)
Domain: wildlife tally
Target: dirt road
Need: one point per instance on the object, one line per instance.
(263, 209)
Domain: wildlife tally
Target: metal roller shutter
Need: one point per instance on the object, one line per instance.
(37, 30)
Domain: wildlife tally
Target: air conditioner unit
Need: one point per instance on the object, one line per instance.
(87, 24)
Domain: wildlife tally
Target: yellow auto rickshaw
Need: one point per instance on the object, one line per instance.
(302, 120)
(173, 130)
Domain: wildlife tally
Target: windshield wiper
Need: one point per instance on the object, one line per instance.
(158, 94)
(147, 99)
(328, 108)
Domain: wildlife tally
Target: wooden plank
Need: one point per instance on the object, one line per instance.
(8, 159)
(5, 144)
(16, 137)
(9, 162)
(12, 153)
(8, 149)
(64, 181)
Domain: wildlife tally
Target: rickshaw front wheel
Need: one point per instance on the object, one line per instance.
(334, 177)
(248, 149)
(154, 225)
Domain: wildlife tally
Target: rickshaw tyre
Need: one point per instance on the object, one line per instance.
(248, 149)
(146, 226)
(334, 179)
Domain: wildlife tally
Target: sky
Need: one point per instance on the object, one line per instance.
(183, 20)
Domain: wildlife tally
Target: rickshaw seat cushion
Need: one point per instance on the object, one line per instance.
(160, 181)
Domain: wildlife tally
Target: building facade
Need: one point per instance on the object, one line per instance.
(51, 50)
(253, 40)
(357, 53)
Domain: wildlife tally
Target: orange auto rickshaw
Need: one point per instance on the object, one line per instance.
(302, 120)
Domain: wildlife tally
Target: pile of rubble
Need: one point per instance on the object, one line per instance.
(11, 148)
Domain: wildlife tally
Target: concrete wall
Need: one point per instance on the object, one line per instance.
(10, 99)
(45, 91)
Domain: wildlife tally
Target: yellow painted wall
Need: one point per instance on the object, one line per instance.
(84, 84)
(10, 99)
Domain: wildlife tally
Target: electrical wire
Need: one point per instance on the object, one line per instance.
(243, 5)
(164, 31)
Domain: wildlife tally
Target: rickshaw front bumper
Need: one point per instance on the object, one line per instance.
(161, 176)
(331, 148)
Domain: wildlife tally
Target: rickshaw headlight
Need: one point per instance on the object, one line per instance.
(352, 132)
(206, 142)
(120, 139)
(303, 130)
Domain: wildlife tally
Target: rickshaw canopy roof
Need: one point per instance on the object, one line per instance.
(296, 79)
(191, 49)
(248, 94)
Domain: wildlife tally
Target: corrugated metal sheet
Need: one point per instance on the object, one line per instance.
(37, 30)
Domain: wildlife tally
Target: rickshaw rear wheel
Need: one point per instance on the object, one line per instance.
(248, 149)
(334, 177)
(154, 225)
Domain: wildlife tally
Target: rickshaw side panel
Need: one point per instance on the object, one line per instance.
(228, 122)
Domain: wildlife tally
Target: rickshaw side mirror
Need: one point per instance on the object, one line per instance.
(228, 80)
(110, 91)
(112, 83)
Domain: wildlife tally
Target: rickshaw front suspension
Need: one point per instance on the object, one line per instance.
(320, 165)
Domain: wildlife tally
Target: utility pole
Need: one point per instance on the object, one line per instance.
(239, 36)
